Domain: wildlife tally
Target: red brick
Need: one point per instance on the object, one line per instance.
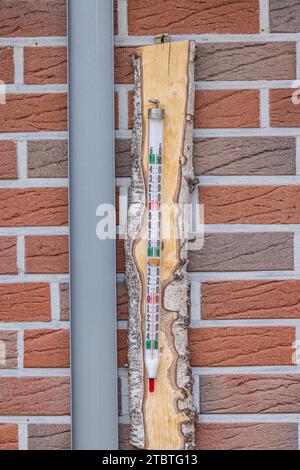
(247, 436)
(8, 255)
(25, 302)
(8, 350)
(8, 158)
(242, 346)
(192, 17)
(283, 112)
(33, 207)
(231, 300)
(122, 301)
(33, 18)
(34, 112)
(35, 396)
(45, 65)
(47, 254)
(227, 108)
(123, 65)
(232, 346)
(6, 64)
(251, 204)
(46, 348)
(122, 348)
(9, 437)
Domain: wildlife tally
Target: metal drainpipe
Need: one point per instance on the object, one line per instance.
(92, 261)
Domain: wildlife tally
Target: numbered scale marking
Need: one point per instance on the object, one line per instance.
(154, 192)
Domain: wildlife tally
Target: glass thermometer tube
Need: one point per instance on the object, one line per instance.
(154, 191)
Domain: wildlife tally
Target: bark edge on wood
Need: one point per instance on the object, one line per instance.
(175, 295)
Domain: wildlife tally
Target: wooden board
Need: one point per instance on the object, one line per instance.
(167, 415)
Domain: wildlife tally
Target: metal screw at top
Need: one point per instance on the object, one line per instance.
(162, 38)
(155, 113)
(154, 101)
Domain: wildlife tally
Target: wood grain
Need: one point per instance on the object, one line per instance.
(165, 72)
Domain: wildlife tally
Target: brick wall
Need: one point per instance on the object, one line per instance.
(34, 379)
(245, 282)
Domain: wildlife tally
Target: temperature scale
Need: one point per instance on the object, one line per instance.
(153, 299)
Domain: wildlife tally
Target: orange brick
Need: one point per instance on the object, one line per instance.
(250, 299)
(251, 204)
(232, 346)
(242, 346)
(283, 112)
(193, 17)
(35, 396)
(33, 18)
(6, 64)
(227, 108)
(33, 112)
(46, 348)
(46, 254)
(33, 207)
(8, 158)
(44, 65)
(8, 437)
(24, 302)
(8, 255)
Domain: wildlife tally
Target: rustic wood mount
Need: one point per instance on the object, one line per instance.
(163, 419)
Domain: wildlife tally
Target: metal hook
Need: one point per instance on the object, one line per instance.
(154, 101)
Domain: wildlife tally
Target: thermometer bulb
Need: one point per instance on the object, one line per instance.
(151, 385)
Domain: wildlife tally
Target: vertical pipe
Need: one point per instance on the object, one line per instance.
(92, 261)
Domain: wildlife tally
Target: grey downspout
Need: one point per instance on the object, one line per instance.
(92, 261)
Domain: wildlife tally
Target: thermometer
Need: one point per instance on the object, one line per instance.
(153, 298)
